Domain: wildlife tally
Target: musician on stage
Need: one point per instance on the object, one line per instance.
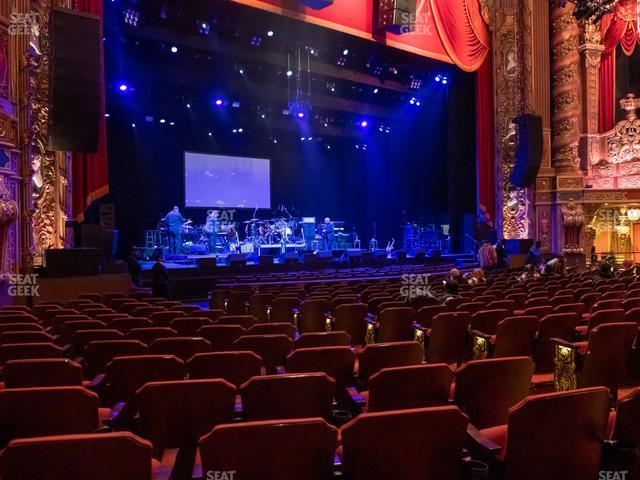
(211, 229)
(327, 234)
(174, 221)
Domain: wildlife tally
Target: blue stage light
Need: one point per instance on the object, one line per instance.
(345, 51)
(210, 134)
(375, 90)
(289, 73)
(133, 125)
(364, 123)
(438, 78)
(412, 101)
(123, 87)
(300, 114)
(204, 28)
(188, 105)
(270, 33)
(162, 120)
(174, 49)
(218, 101)
(445, 80)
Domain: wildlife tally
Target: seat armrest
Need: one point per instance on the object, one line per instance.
(329, 319)
(98, 383)
(480, 334)
(356, 397)
(67, 350)
(482, 444)
(280, 370)
(481, 344)
(564, 343)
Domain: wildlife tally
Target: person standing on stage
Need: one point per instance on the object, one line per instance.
(327, 234)
(211, 229)
(174, 221)
(160, 280)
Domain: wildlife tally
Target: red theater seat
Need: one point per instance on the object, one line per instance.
(148, 334)
(182, 347)
(313, 316)
(234, 367)
(273, 349)
(49, 372)
(189, 326)
(42, 411)
(17, 351)
(286, 449)
(375, 357)
(222, 337)
(99, 353)
(78, 457)
(284, 328)
(350, 318)
(447, 340)
(294, 395)
(407, 444)
(323, 339)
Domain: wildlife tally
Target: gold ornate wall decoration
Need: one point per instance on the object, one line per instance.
(573, 218)
(544, 224)
(8, 216)
(49, 208)
(566, 88)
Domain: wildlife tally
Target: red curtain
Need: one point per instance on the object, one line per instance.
(463, 32)
(90, 173)
(485, 177)
(620, 28)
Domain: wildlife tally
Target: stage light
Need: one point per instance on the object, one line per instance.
(331, 86)
(302, 139)
(162, 120)
(188, 105)
(363, 123)
(275, 140)
(438, 78)
(341, 61)
(210, 134)
(218, 101)
(235, 104)
(204, 28)
(300, 114)
(289, 73)
(256, 40)
(262, 115)
(270, 33)
(240, 130)
(123, 87)
(235, 130)
(131, 17)
(107, 115)
(375, 90)
(412, 101)
(445, 80)
(417, 103)
(172, 123)
(133, 125)
(174, 49)
(241, 71)
(345, 52)
(416, 84)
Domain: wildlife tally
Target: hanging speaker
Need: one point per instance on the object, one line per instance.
(75, 81)
(397, 16)
(528, 151)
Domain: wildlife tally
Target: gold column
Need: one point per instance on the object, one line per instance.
(566, 88)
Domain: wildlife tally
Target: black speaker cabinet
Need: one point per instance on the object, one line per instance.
(397, 16)
(75, 80)
(528, 150)
(206, 265)
(72, 262)
(237, 259)
(518, 246)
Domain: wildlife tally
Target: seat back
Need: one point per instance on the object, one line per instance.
(544, 441)
(425, 315)
(448, 337)
(165, 317)
(323, 339)
(486, 321)
(286, 449)
(78, 456)
(394, 324)
(515, 336)
(612, 315)
(375, 357)
(626, 429)
(176, 414)
(82, 338)
(42, 411)
(18, 351)
(487, 389)
(125, 375)
(427, 443)
(350, 318)
(554, 325)
(608, 353)
(273, 349)
(182, 347)
(282, 328)
(336, 362)
(222, 337)
(312, 315)
(237, 302)
(46, 372)
(189, 326)
(283, 309)
(99, 353)
(148, 334)
(245, 321)
(259, 303)
(127, 323)
(415, 386)
(25, 337)
(234, 367)
(292, 395)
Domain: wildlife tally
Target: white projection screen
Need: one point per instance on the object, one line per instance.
(221, 181)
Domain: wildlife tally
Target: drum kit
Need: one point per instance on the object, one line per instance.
(273, 231)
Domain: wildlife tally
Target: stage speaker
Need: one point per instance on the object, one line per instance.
(75, 81)
(206, 265)
(237, 259)
(72, 262)
(419, 253)
(97, 236)
(265, 260)
(289, 257)
(397, 16)
(316, 4)
(528, 150)
(399, 254)
(435, 253)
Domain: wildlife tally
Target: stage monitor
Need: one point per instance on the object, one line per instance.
(221, 181)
